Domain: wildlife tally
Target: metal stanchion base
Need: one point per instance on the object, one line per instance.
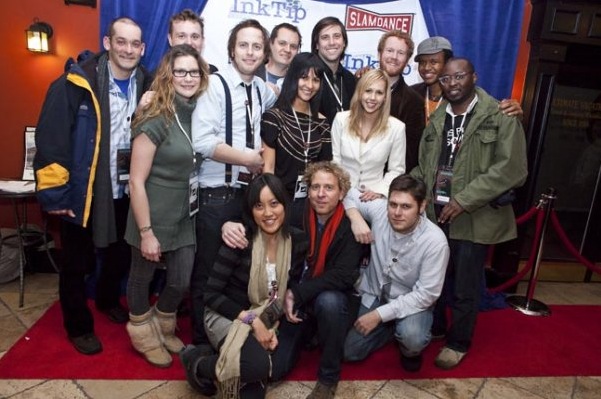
(530, 307)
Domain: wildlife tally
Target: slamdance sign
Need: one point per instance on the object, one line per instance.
(365, 24)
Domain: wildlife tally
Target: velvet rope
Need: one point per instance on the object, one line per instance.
(540, 217)
(569, 246)
(527, 216)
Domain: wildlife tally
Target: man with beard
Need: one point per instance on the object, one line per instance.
(470, 155)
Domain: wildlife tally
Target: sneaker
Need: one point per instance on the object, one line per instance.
(118, 314)
(88, 344)
(411, 364)
(449, 358)
(190, 356)
(323, 391)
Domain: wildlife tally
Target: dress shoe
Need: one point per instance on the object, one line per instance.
(88, 344)
(411, 364)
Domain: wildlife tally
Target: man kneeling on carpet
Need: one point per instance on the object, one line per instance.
(159, 225)
(319, 299)
(405, 275)
(245, 294)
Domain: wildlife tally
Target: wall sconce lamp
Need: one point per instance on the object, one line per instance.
(38, 35)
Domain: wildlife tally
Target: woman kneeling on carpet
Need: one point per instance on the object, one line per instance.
(244, 296)
(160, 228)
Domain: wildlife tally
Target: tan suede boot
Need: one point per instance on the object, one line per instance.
(165, 324)
(145, 339)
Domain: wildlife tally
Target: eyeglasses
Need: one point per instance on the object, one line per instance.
(445, 80)
(181, 73)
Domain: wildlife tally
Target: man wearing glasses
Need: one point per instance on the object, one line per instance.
(470, 154)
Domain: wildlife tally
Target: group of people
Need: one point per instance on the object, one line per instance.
(299, 205)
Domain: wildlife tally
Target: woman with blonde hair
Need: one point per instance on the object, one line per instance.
(163, 194)
(368, 142)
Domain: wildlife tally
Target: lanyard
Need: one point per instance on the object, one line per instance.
(338, 98)
(187, 138)
(455, 141)
(306, 143)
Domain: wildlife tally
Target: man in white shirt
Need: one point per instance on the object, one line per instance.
(409, 256)
(234, 102)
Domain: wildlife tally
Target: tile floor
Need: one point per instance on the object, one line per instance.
(42, 291)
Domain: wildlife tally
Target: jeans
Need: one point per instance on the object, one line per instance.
(79, 260)
(178, 263)
(213, 212)
(462, 291)
(330, 319)
(412, 333)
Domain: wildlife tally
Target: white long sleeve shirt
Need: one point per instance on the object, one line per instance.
(208, 122)
(416, 277)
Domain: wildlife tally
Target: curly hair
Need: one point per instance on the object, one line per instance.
(344, 180)
(163, 101)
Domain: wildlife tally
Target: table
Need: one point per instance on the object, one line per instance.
(26, 236)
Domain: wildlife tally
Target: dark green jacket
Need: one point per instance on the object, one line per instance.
(491, 160)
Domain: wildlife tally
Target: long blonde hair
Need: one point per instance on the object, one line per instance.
(163, 101)
(357, 113)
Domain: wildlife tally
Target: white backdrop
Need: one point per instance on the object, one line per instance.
(365, 23)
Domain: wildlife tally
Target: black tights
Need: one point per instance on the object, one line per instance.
(254, 368)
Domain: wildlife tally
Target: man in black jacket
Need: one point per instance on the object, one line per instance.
(319, 301)
(82, 168)
(329, 41)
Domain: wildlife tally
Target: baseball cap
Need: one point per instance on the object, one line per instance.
(433, 45)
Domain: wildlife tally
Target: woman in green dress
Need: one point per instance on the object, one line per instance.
(163, 190)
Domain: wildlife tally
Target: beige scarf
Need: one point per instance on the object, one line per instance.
(228, 364)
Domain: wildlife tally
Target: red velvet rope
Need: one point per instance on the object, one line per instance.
(540, 217)
(569, 246)
(527, 216)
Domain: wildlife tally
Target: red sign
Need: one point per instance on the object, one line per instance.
(360, 19)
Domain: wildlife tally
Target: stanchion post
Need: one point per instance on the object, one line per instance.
(527, 304)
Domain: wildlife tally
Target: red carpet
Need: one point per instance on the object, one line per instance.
(507, 344)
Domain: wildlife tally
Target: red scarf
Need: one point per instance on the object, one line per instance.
(317, 262)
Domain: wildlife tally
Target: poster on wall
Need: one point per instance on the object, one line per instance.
(29, 152)
(365, 24)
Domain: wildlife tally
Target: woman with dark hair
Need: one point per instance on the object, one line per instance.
(159, 226)
(294, 133)
(244, 296)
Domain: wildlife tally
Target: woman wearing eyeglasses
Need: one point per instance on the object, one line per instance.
(160, 228)
(244, 296)
(366, 141)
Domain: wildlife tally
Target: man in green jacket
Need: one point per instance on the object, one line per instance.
(470, 155)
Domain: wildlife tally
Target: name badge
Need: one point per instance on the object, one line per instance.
(123, 161)
(193, 201)
(442, 188)
(300, 191)
(244, 175)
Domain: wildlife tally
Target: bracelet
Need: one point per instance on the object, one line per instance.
(145, 229)
(249, 318)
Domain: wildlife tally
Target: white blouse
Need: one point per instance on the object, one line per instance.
(365, 161)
